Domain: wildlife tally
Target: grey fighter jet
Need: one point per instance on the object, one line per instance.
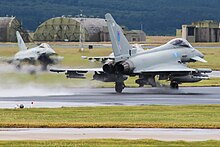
(167, 62)
(42, 54)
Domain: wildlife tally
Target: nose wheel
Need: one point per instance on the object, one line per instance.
(174, 85)
(119, 86)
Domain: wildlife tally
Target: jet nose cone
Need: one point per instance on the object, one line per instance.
(198, 53)
(201, 55)
(198, 56)
(51, 51)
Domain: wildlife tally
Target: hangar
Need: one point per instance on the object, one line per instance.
(69, 29)
(8, 28)
(201, 31)
(135, 35)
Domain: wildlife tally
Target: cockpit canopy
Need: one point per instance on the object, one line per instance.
(44, 45)
(180, 42)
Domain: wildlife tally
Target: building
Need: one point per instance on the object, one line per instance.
(70, 29)
(202, 31)
(135, 36)
(8, 28)
(75, 29)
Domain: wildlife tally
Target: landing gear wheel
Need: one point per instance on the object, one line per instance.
(18, 66)
(174, 85)
(141, 85)
(44, 67)
(119, 86)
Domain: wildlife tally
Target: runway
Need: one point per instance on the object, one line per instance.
(214, 74)
(107, 97)
(108, 133)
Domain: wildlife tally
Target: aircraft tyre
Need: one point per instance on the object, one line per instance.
(18, 67)
(174, 85)
(44, 67)
(119, 86)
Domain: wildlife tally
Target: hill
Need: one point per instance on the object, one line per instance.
(158, 17)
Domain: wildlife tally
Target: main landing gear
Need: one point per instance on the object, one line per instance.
(45, 61)
(174, 85)
(44, 66)
(119, 86)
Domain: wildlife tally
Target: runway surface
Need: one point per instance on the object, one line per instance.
(214, 74)
(108, 133)
(107, 97)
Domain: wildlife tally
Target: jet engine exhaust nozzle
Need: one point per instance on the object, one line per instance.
(124, 67)
(108, 67)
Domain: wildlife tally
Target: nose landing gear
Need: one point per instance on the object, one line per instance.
(174, 85)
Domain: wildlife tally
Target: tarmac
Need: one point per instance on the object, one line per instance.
(48, 98)
(214, 74)
(108, 133)
(34, 97)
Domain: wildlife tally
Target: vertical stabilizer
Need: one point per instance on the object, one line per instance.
(120, 44)
(21, 44)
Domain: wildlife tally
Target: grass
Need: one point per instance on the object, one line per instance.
(193, 116)
(213, 58)
(59, 80)
(72, 56)
(206, 83)
(158, 40)
(109, 143)
(72, 59)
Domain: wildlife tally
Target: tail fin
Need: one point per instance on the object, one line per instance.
(21, 44)
(120, 44)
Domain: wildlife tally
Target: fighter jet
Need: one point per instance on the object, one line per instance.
(167, 62)
(42, 54)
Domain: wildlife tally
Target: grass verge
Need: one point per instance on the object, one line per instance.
(109, 142)
(59, 80)
(72, 59)
(193, 116)
(212, 56)
(72, 56)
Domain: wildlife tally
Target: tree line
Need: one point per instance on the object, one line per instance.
(160, 17)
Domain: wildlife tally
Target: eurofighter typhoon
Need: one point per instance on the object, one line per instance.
(43, 54)
(167, 62)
